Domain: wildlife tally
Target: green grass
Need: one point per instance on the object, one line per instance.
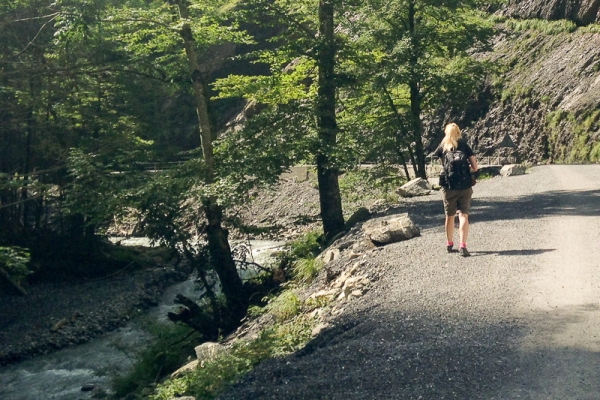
(290, 332)
(591, 28)
(482, 176)
(305, 270)
(540, 25)
(210, 379)
(169, 349)
(306, 246)
(583, 147)
(595, 153)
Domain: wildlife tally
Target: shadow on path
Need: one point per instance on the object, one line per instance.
(430, 213)
(416, 354)
(527, 252)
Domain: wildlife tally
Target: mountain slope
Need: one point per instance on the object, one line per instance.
(548, 97)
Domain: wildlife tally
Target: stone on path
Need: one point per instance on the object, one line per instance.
(392, 229)
(512, 169)
(416, 187)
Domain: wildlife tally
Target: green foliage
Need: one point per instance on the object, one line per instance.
(305, 270)
(553, 118)
(582, 145)
(517, 91)
(102, 182)
(595, 153)
(484, 176)
(301, 256)
(284, 306)
(170, 347)
(14, 260)
(207, 381)
(541, 25)
(590, 28)
(363, 186)
(306, 246)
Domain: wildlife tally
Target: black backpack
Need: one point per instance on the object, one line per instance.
(456, 168)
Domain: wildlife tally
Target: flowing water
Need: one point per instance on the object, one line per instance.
(64, 373)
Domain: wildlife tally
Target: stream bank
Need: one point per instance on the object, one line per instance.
(69, 336)
(60, 314)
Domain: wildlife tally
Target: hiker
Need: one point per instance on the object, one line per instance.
(456, 179)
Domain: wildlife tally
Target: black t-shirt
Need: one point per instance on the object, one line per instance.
(462, 146)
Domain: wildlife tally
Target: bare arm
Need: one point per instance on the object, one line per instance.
(473, 163)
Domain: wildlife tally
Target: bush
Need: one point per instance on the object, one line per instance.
(170, 348)
(15, 262)
(210, 379)
(362, 186)
(307, 246)
(284, 306)
(306, 269)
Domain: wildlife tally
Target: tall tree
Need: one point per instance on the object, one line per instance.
(327, 174)
(303, 66)
(218, 243)
(421, 57)
(186, 41)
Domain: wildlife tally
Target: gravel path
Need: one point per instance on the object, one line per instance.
(519, 319)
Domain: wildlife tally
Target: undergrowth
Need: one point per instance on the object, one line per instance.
(170, 346)
(541, 25)
(482, 176)
(581, 146)
(292, 328)
(290, 334)
(360, 187)
(302, 257)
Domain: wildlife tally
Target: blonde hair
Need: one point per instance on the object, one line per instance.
(450, 141)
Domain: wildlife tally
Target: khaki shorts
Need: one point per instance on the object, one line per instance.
(456, 200)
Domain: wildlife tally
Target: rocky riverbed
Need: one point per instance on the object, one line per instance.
(60, 314)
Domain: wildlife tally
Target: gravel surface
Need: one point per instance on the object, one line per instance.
(518, 319)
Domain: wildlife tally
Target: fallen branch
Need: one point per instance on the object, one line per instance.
(13, 282)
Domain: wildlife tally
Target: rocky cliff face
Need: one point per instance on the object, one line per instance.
(547, 95)
(582, 12)
(549, 98)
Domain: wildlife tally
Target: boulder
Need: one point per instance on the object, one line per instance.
(186, 368)
(416, 187)
(208, 351)
(392, 229)
(331, 255)
(512, 169)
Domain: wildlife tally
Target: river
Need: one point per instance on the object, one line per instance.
(64, 373)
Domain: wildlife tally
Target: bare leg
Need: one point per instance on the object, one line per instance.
(449, 225)
(463, 227)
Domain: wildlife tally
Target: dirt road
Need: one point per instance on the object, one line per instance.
(518, 319)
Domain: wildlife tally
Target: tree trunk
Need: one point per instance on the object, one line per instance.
(26, 171)
(415, 97)
(327, 175)
(193, 316)
(218, 245)
(220, 253)
(398, 137)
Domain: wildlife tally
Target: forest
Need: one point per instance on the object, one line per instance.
(172, 113)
